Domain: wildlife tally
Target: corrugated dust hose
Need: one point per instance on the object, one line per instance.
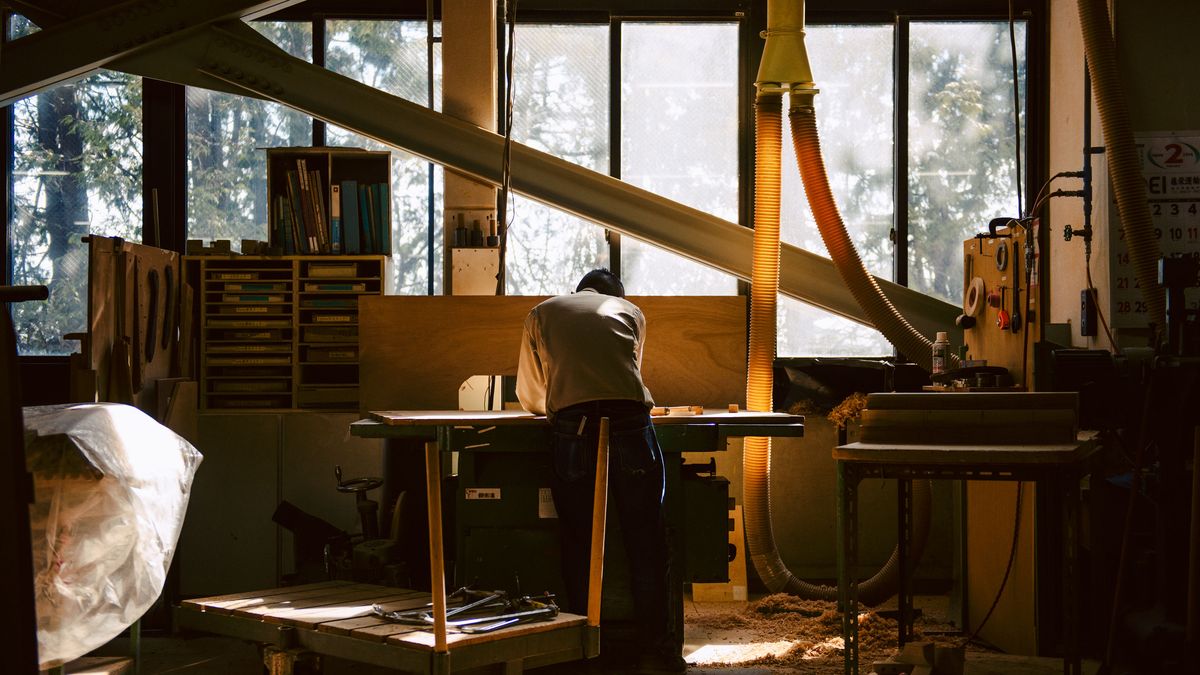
(757, 453)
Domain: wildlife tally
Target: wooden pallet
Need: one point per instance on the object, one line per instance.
(334, 618)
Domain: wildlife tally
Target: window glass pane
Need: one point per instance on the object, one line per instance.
(227, 163)
(392, 56)
(19, 26)
(852, 66)
(560, 106)
(76, 169)
(962, 170)
(679, 131)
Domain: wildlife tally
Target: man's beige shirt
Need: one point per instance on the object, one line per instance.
(581, 347)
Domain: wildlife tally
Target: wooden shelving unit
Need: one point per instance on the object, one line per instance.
(281, 332)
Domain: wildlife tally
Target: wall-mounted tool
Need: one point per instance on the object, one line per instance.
(1003, 319)
(1002, 256)
(1015, 325)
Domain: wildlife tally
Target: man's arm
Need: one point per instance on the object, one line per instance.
(531, 378)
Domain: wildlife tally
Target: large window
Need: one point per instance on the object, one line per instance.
(853, 69)
(226, 156)
(679, 121)
(392, 56)
(960, 159)
(76, 170)
(560, 106)
(662, 104)
(961, 133)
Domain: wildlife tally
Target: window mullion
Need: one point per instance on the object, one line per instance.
(900, 150)
(614, 131)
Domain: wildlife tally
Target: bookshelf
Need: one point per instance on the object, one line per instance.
(329, 200)
(281, 332)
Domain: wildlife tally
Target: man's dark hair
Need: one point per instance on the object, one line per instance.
(602, 281)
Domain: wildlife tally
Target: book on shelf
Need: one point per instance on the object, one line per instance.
(364, 219)
(284, 360)
(261, 286)
(233, 276)
(250, 309)
(350, 226)
(249, 323)
(229, 297)
(335, 218)
(349, 286)
(332, 270)
(333, 318)
(317, 190)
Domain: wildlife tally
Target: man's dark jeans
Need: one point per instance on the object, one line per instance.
(636, 483)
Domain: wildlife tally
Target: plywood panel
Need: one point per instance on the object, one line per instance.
(416, 351)
(991, 511)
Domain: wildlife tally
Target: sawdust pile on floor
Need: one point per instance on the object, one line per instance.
(814, 626)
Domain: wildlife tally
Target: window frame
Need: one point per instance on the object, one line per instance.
(164, 168)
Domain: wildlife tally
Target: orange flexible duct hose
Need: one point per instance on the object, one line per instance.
(756, 457)
(756, 460)
(1124, 169)
(862, 285)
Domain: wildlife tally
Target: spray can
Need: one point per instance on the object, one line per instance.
(941, 350)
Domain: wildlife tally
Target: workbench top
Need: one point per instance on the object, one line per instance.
(505, 417)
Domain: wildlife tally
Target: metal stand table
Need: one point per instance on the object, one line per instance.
(1057, 467)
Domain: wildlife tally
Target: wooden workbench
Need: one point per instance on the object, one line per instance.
(335, 618)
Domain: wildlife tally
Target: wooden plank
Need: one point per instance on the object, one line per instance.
(972, 400)
(934, 420)
(695, 352)
(218, 602)
(381, 632)
(276, 612)
(982, 456)
(347, 626)
(312, 598)
(1013, 434)
(313, 617)
(520, 417)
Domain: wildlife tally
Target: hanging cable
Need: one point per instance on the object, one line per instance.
(505, 163)
(1012, 41)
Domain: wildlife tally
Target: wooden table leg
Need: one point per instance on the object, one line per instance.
(599, 522)
(437, 568)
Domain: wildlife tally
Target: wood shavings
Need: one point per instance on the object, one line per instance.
(849, 409)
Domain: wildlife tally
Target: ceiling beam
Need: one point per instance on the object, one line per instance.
(79, 44)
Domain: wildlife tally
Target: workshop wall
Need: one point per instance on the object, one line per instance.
(1155, 49)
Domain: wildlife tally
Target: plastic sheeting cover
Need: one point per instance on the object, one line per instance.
(111, 488)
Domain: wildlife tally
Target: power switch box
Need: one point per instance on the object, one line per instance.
(1087, 313)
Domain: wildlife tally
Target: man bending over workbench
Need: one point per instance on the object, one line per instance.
(581, 360)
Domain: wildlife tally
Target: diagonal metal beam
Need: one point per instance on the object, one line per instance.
(78, 45)
(236, 54)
